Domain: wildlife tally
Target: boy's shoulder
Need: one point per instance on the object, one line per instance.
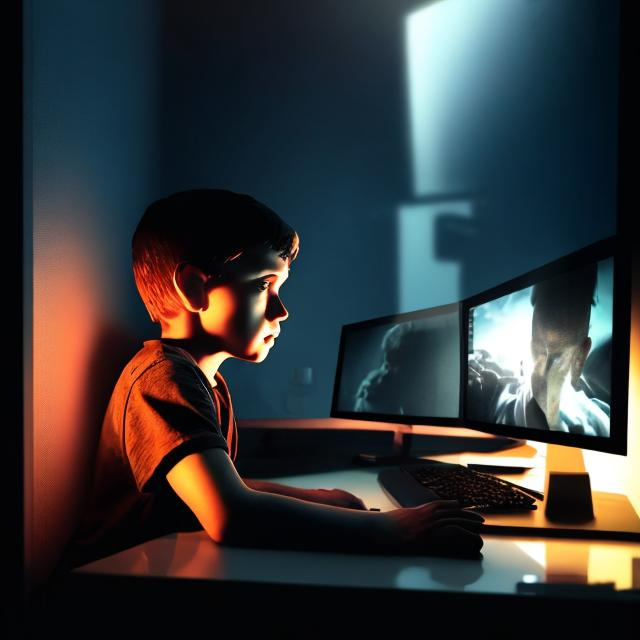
(163, 370)
(153, 353)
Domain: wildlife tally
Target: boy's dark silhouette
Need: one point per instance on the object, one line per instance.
(209, 265)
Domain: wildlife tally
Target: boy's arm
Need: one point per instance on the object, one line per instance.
(234, 514)
(333, 497)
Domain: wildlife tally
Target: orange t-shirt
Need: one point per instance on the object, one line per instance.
(162, 409)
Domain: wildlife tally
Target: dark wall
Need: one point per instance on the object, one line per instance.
(301, 105)
(530, 131)
(311, 108)
(90, 155)
(306, 106)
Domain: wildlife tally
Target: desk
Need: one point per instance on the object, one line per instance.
(519, 573)
(506, 561)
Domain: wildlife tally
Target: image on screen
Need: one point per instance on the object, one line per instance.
(409, 367)
(540, 357)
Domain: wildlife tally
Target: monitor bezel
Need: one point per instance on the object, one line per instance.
(396, 418)
(612, 247)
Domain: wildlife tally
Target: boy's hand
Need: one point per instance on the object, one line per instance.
(440, 527)
(336, 498)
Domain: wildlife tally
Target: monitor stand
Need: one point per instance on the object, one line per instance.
(402, 437)
(435, 444)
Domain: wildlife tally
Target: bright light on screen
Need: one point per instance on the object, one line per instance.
(558, 352)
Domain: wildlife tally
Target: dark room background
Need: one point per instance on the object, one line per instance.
(424, 151)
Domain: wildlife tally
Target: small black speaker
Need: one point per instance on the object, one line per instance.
(569, 497)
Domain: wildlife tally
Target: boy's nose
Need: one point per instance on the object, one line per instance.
(284, 313)
(278, 310)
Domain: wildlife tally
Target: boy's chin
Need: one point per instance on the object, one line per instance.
(256, 356)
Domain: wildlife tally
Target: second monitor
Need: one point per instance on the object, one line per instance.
(401, 368)
(406, 369)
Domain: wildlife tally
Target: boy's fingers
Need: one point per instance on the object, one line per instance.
(469, 525)
(460, 513)
(455, 540)
(442, 507)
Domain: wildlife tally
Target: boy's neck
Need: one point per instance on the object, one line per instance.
(208, 362)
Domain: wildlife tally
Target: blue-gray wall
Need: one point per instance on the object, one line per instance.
(315, 108)
(301, 105)
(90, 165)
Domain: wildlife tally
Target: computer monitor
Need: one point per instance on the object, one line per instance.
(405, 369)
(401, 368)
(543, 357)
(547, 354)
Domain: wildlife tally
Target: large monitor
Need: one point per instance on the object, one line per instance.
(547, 353)
(544, 356)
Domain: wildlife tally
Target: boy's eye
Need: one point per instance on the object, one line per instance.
(263, 285)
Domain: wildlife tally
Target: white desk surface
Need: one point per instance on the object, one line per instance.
(506, 562)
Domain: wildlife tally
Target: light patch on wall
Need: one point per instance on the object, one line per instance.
(66, 310)
(445, 44)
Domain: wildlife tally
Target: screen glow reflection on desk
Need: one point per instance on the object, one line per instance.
(505, 563)
(506, 560)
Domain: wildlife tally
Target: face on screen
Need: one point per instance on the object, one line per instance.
(540, 357)
(558, 355)
(404, 368)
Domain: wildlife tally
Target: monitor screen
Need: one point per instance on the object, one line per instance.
(401, 368)
(547, 353)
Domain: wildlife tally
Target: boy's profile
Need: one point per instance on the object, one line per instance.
(209, 265)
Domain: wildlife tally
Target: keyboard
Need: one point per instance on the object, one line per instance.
(412, 485)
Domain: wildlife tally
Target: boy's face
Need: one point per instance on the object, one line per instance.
(245, 309)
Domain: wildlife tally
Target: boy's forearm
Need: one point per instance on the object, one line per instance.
(281, 489)
(277, 521)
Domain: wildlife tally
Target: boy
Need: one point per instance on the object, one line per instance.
(209, 265)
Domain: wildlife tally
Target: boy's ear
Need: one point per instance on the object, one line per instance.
(189, 282)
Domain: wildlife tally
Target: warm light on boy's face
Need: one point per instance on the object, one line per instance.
(245, 310)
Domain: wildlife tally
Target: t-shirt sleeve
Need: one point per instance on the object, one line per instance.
(169, 415)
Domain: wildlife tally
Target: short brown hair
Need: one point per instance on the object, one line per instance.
(205, 227)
